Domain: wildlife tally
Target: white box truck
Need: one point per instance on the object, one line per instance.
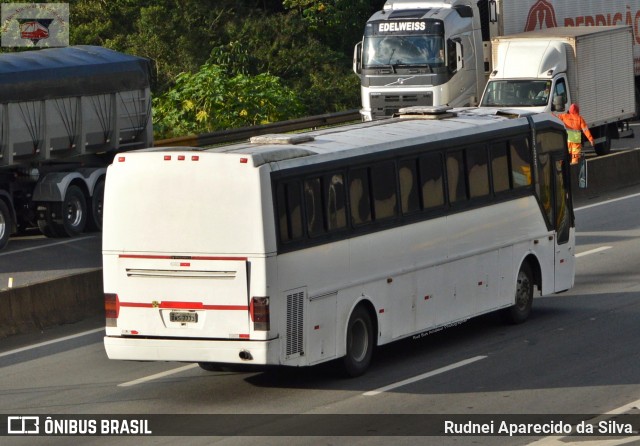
(549, 69)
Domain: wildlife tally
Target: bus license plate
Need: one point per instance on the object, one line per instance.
(183, 316)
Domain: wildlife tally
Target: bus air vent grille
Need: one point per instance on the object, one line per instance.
(295, 313)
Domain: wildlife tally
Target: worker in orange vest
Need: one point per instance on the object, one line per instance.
(575, 125)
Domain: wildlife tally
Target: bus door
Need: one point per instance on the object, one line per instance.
(563, 222)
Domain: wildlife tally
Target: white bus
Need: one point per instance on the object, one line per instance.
(298, 249)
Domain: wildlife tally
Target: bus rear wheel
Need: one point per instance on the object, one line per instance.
(360, 342)
(521, 309)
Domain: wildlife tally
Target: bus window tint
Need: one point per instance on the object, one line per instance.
(383, 184)
(550, 141)
(313, 206)
(289, 211)
(478, 172)
(456, 177)
(432, 181)
(335, 201)
(499, 167)
(520, 162)
(359, 197)
(546, 192)
(408, 176)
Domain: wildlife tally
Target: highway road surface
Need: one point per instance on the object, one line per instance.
(578, 354)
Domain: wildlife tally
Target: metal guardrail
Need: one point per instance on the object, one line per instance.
(311, 122)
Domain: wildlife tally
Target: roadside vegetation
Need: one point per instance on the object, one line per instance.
(231, 63)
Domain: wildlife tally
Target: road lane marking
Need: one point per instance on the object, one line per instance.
(53, 341)
(33, 248)
(593, 251)
(158, 375)
(613, 200)
(424, 376)
(556, 440)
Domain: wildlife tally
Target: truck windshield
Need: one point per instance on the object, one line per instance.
(394, 50)
(516, 93)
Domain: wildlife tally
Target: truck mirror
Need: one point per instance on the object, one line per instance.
(357, 58)
(558, 103)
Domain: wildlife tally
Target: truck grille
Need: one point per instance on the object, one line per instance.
(385, 105)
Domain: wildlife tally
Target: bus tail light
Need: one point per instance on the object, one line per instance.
(111, 308)
(259, 310)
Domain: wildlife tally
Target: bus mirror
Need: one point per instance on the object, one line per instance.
(357, 58)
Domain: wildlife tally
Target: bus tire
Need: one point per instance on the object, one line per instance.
(211, 366)
(360, 342)
(521, 309)
(5, 224)
(74, 212)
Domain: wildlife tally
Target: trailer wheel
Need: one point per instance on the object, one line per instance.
(5, 224)
(521, 309)
(74, 212)
(47, 225)
(94, 222)
(360, 342)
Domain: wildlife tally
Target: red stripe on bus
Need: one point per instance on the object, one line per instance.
(157, 257)
(136, 304)
(185, 306)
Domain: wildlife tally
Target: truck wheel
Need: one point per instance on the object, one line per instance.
(94, 222)
(5, 224)
(47, 225)
(605, 147)
(74, 212)
(521, 310)
(360, 342)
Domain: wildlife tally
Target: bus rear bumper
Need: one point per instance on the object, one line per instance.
(190, 350)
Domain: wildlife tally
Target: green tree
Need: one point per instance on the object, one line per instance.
(211, 100)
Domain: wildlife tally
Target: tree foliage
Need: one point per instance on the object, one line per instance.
(299, 51)
(211, 99)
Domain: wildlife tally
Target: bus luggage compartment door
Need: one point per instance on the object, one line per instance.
(181, 296)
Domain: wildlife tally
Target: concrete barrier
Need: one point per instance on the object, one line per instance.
(73, 298)
(60, 301)
(607, 173)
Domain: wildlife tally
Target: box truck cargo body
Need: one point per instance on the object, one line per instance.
(550, 69)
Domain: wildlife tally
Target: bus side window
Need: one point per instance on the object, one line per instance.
(456, 178)
(520, 162)
(335, 201)
(313, 207)
(384, 192)
(546, 192)
(289, 205)
(477, 172)
(499, 167)
(408, 176)
(359, 196)
(431, 176)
